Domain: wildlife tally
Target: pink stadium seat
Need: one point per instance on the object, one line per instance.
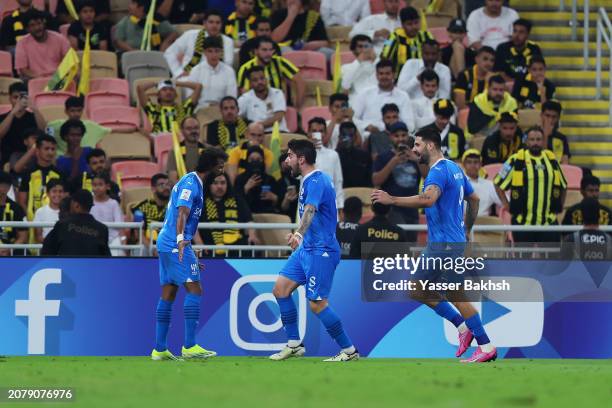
(312, 112)
(64, 29)
(573, 175)
(135, 173)
(312, 64)
(492, 170)
(162, 146)
(107, 92)
(346, 57)
(5, 109)
(6, 64)
(118, 118)
(441, 35)
(37, 85)
(51, 98)
(292, 119)
(462, 117)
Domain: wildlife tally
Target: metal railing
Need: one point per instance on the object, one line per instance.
(139, 247)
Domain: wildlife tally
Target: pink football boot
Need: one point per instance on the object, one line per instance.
(480, 356)
(465, 339)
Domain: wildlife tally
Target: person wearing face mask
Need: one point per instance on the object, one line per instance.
(258, 189)
(356, 163)
(191, 148)
(289, 187)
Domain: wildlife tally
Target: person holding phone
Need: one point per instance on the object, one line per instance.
(260, 190)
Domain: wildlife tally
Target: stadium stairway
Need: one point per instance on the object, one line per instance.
(585, 120)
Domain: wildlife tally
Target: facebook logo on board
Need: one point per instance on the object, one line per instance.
(37, 307)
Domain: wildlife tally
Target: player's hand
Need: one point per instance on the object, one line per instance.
(382, 197)
(181, 249)
(294, 240)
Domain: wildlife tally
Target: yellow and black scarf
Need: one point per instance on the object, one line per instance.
(229, 206)
(223, 133)
(198, 51)
(236, 26)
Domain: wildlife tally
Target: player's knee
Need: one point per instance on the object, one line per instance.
(279, 291)
(317, 306)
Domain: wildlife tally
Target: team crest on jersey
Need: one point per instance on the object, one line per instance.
(185, 194)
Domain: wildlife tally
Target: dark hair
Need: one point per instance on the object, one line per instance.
(45, 138)
(83, 198)
(5, 178)
(262, 20)
(85, 3)
(508, 117)
(32, 14)
(524, 23)
(347, 125)
(537, 59)
(256, 68)
(590, 211)
(95, 153)
(228, 98)
(64, 207)
(143, 3)
(282, 157)
(103, 175)
(380, 209)
(553, 106)
(353, 208)
(264, 39)
(429, 75)
(589, 181)
(317, 119)
(409, 14)
(358, 38)
(485, 49)
(209, 159)
(212, 42)
(255, 149)
(431, 42)
(211, 178)
(71, 124)
(429, 135)
(534, 129)
(389, 107)
(303, 148)
(384, 63)
(497, 79)
(54, 182)
(32, 132)
(338, 97)
(186, 118)
(156, 177)
(74, 102)
(17, 87)
(213, 12)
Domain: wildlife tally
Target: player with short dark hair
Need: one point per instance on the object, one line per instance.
(315, 258)
(178, 264)
(444, 191)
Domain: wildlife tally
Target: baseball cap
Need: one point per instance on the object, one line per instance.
(444, 107)
(397, 126)
(457, 25)
(166, 83)
(471, 152)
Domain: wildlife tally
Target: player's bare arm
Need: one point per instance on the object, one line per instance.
(295, 239)
(180, 227)
(423, 200)
(472, 211)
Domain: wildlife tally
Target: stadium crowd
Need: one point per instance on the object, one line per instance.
(481, 84)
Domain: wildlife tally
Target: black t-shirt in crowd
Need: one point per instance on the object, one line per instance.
(345, 233)
(101, 7)
(13, 141)
(298, 28)
(10, 211)
(97, 34)
(356, 167)
(379, 229)
(447, 54)
(182, 10)
(77, 235)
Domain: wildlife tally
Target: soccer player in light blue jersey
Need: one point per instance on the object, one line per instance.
(178, 264)
(315, 257)
(444, 191)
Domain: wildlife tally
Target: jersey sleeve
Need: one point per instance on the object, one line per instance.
(503, 178)
(435, 178)
(314, 196)
(187, 190)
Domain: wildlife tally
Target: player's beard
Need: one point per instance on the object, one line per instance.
(163, 196)
(295, 171)
(424, 158)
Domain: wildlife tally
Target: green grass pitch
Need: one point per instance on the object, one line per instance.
(247, 382)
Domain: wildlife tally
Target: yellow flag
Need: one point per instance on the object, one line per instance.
(65, 72)
(145, 43)
(423, 20)
(178, 157)
(71, 9)
(85, 67)
(337, 69)
(434, 6)
(318, 95)
(118, 180)
(275, 147)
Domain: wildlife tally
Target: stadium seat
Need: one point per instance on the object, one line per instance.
(107, 92)
(181, 28)
(363, 193)
(38, 85)
(312, 112)
(326, 88)
(492, 170)
(346, 57)
(208, 114)
(275, 236)
(134, 195)
(118, 118)
(438, 20)
(291, 117)
(143, 64)
(573, 175)
(103, 64)
(528, 118)
(51, 98)
(6, 64)
(493, 237)
(462, 118)
(5, 109)
(53, 112)
(312, 64)
(162, 145)
(126, 146)
(284, 137)
(133, 173)
(5, 83)
(441, 35)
